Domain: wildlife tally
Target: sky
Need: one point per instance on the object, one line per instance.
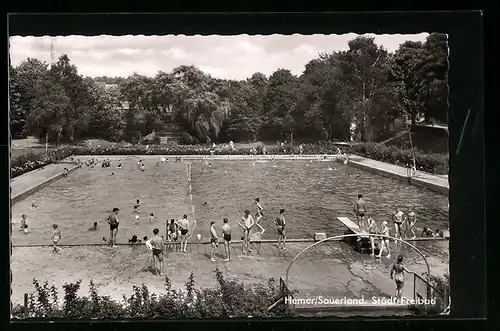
(229, 57)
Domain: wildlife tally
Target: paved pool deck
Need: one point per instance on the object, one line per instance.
(331, 270)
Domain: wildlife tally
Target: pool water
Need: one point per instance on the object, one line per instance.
(312, 195)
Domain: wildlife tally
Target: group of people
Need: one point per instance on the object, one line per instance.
(404, 223)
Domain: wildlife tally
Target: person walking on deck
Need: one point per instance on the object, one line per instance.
(397, 273)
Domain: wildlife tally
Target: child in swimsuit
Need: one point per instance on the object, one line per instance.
(172, 230)
(56, 236)
(151, 218)
(248, 222)
(384, 242)
(259, 215)
(226, 234)
(372, 229)
(214, 240)
(23, 222)
(280, 226)
(410, 223)
(136, 220)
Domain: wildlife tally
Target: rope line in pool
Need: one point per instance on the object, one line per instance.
(188, 171)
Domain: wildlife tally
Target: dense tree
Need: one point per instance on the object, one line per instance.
(364, 87)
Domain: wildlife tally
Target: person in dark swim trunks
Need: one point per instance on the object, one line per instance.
(360, 210)
(134, 240)
(398, 218)
(226, 234)
(214, 240)
(397, 273)
(157, 244)
(280, 226)
(113, 226)
(183, 225)
(372, 229)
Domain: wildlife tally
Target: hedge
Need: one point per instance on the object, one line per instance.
(229, 298)
(433, 163)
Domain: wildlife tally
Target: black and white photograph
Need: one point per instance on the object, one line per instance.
(191, 176)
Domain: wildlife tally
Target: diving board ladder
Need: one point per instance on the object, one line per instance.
(363, 245)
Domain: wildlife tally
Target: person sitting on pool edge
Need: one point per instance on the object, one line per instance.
(134, 240)
(426, 232)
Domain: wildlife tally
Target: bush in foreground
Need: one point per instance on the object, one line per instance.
(440, 291)
(229, 298)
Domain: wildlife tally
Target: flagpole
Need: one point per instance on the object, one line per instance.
(46, 144)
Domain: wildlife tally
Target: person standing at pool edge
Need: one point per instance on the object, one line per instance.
(226, 234)
(248, 222)
(360, 210)
(384, 242)
(280, 226)
(410, 223)
(259, 215)
(157, 247)
(214, 240)
(397, 273)
(372, 229)
(56, 235)
(113, 226)
(183, 225)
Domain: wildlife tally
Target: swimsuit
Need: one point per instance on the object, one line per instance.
(157, 251)
(227, 236)
(361, 213)
(213, 240)
(184, 231)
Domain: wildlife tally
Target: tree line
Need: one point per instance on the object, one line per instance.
(354, 93)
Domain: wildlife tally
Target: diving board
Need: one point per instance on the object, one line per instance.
(361, 243)
(351, 226)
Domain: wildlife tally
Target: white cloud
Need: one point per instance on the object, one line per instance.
(234, 57)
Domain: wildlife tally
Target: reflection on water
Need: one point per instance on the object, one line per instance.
(312, 195)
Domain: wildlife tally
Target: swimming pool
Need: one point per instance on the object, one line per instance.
(312, 193)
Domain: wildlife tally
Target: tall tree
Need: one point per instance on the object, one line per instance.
(433, 70)
(280, 105)
(24, 79)
(407, 59)
(365, 82)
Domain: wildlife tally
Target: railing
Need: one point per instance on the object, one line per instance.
(428, 299)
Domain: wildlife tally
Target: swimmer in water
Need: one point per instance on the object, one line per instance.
(134, 240)
(411, 219)
(56, 236)
(142, 167)
(226, 234)
(151, 218)
(247, 224)
(136, 220)
(259, 215)
(26, 230)
(94, 227)
(397, 273)
(119, 166)
(136, 206)
(384, 242)
(34, 205)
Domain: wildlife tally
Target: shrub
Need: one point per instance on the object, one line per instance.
(442, 285)
(229, 298)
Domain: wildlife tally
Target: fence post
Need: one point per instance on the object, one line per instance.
(26, 312)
